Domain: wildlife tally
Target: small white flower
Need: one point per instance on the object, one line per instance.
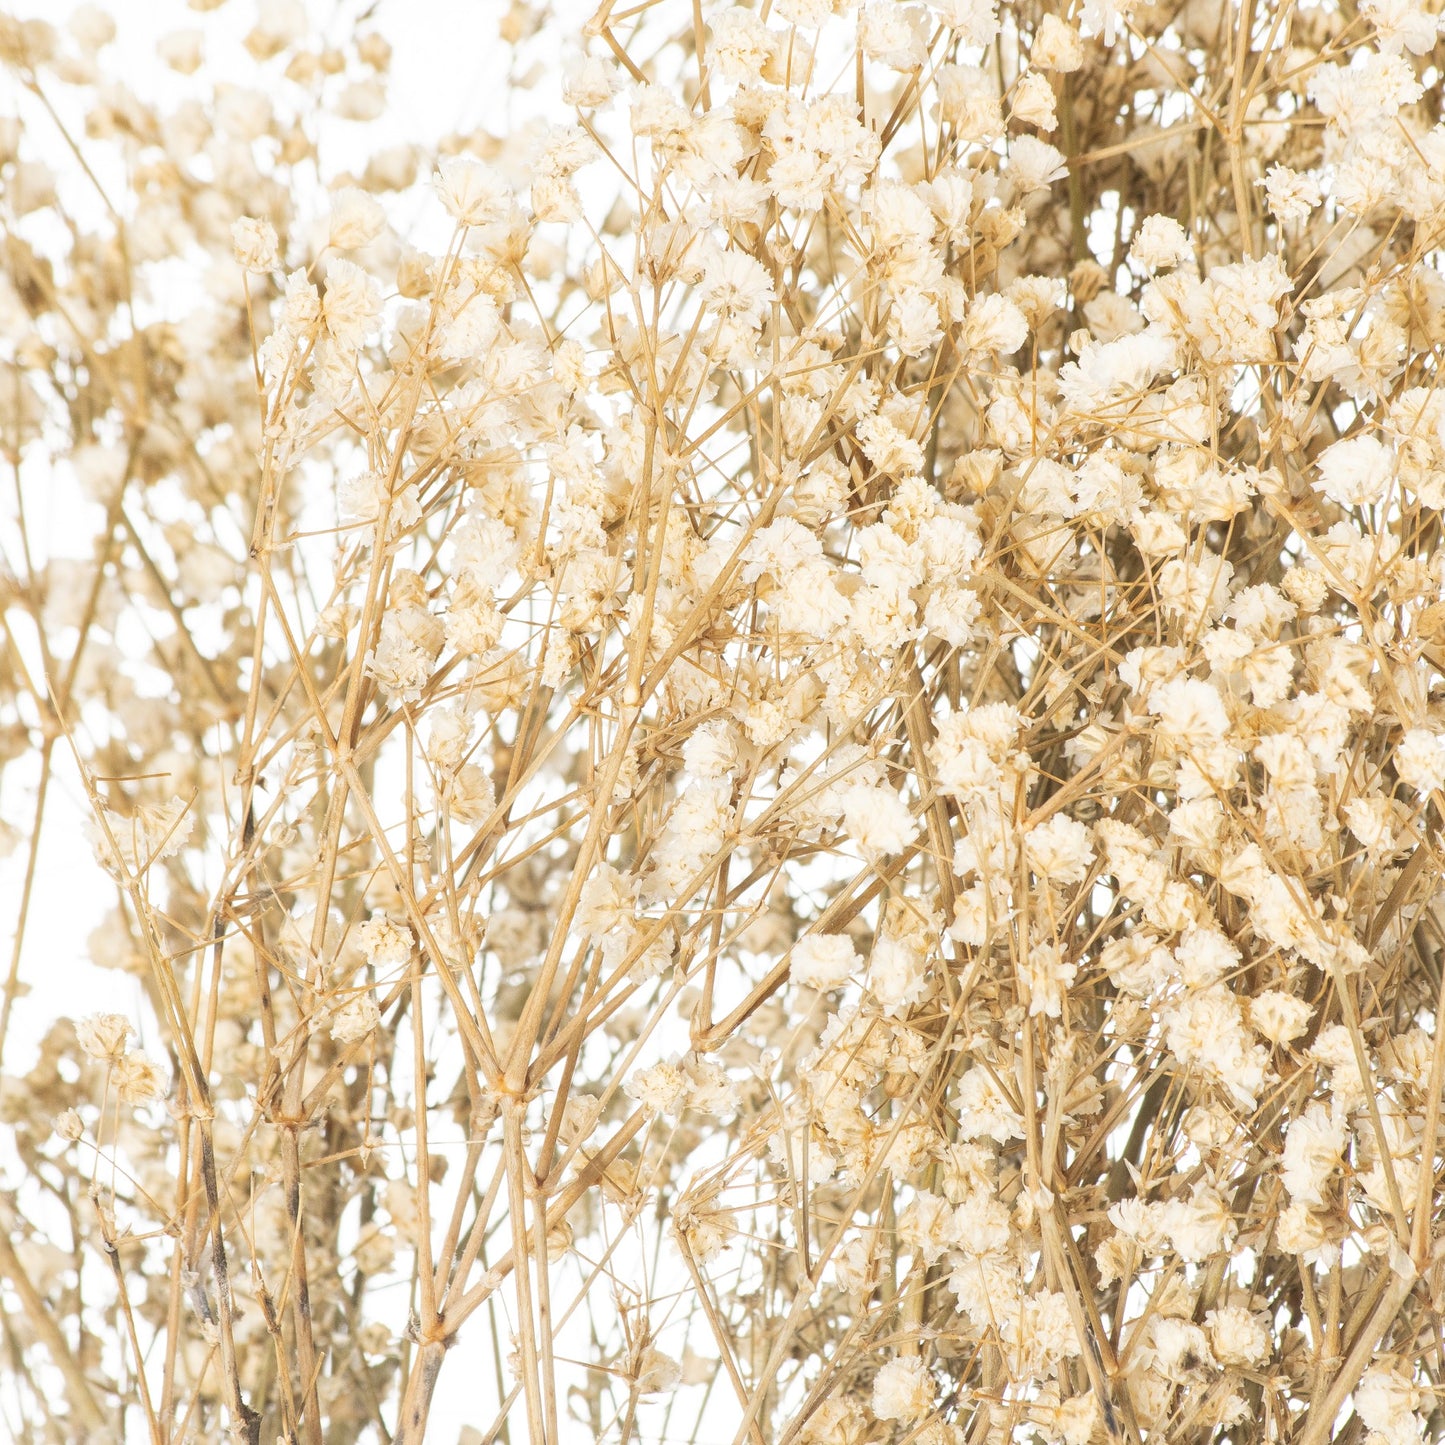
(1238, 1336)
(1420, 760)
(473, 193)
(878, 819)
(1034, 163)
(822, 960)
(255, 244)
(1292, 195)
(1386, 1401)
(356, 219)
(1160, 242)
(1279, 1017)
(355, 1020)
(1056, 45)
(1357, 472)
(897, 974)
(734, 284)
(103, 1036)
(902, 1390)
(1059, 850)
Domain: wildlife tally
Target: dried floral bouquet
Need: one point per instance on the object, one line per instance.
(766, 746)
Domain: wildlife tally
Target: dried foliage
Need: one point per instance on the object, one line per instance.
(769, 752)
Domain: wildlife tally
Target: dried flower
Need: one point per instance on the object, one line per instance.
(902, 1390)
(768, 705)
(474, 194)
(822, 960)
(137, 1079)
(103, 1036)
(255, 243)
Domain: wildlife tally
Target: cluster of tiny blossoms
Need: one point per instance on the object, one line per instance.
(768, 745)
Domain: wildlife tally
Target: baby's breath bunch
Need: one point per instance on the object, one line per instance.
(765, 739)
